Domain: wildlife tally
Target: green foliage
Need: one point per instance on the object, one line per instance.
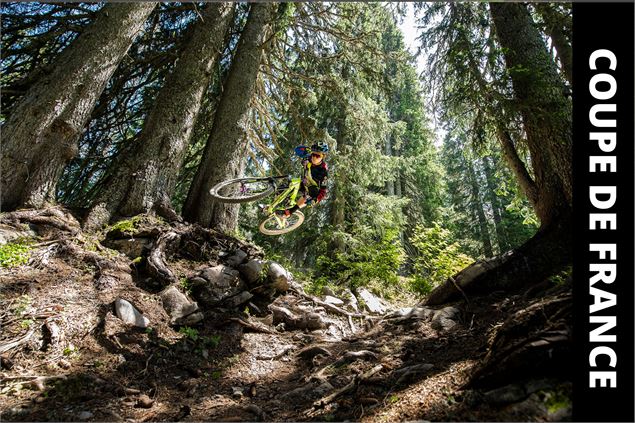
(185, 284)
(190, 333)
(14, 254)
(439, 257)
(23, 304)
(377, 260)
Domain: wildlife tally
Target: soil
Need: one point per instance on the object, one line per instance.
(80, 362)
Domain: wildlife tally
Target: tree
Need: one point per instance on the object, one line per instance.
(540, 101)
(40, 136)
(145, 176)
(225, 151)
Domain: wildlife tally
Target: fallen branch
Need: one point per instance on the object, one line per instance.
(17, 342)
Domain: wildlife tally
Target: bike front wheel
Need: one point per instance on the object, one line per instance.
(242, 190)
(274, 225)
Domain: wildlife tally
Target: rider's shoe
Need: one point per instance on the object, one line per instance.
(283, 213)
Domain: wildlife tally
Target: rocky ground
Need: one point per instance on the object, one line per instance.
(151, 321)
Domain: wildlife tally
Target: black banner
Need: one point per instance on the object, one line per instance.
(603, 205)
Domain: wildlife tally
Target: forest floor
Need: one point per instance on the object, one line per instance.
(67, 357)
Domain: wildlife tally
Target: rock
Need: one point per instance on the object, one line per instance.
(333, 300)
(144, 401)
(373, 304)
(191, 319)
(351, 300)
(177, 304)
(411, 313)
(85, 415)
(216, 284)
(133, 247)
(238, 257)
(237, 300)
(278, 277)
(445, 318)
(311, 390)
(64, 364)
(130, 315)
(505, 395)
(237, 391)
(251, 271)
(9, 233)
(326, 291)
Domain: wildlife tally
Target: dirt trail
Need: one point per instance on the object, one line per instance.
(80, 362)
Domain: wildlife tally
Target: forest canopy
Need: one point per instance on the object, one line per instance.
(114, 110)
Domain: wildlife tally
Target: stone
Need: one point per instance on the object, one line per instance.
(132, 248)
(9, 233)
(215, 284)
(85, 415)
(445, 318)
(237, 300)
(351, 300)
(326, 291)
(373, 304)
(505, 395)
(177, 304)
(278, 277)
(238, 258)
(333, 300)
(251, 271)
(130, 315)
(145, 401)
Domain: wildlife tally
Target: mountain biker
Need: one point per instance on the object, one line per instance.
(314, 173)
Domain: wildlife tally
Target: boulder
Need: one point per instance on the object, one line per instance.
(445, 318)
(251, 271)
(236, 259)
(328, 299)
(130, 315)
(373, 304)
(278, 277)
(215, 284)
(178, 305)
(237, 300)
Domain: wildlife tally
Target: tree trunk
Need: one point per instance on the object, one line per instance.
(555, 28)
(496, 207)
(225, 151)
(338, 201)
(146, 178)
(390, 184)
(545, 110)
(477, 207)
(546, 253)
(41, 134)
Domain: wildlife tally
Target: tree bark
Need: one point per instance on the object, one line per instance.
(146, 178)
(477, 207)
(545, 110)
(546, 253)
(496, 207)
(225, 151)
(41, 134)
(555, 27)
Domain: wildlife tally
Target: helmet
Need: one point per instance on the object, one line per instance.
(320, 147)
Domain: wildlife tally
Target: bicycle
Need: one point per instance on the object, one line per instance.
(244, 190)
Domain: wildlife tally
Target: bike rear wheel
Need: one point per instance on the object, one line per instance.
(274, 225)
(242, 190)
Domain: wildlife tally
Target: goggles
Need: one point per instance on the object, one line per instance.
(317, 155)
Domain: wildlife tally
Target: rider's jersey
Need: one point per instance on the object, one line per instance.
(313, 176)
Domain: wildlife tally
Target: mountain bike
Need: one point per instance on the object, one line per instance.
(244, 190)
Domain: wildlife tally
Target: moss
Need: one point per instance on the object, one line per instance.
(126, 227)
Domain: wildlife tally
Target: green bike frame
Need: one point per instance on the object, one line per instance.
(290, 193)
